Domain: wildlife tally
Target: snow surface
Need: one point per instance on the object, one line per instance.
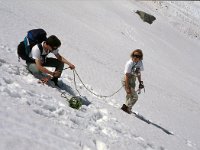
(98, 36)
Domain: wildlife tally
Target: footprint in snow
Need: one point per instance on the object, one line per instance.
(44, 105)
(100, 116)
(9, 87)
(48, 111)
(11, 93)
(2, 61)
(5, 47)
(13, 69)
(43, 112)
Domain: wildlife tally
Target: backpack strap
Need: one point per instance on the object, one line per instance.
(40, 47)
(41, 50)
(133, 67)
(27, 46)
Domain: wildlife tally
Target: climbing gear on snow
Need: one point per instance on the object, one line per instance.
(74, 102)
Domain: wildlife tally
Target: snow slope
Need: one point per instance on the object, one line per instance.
(98, 36)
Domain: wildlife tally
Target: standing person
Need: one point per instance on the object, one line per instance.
(37, 66)
(132, 71)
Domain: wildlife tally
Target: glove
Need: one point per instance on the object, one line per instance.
(141, 85)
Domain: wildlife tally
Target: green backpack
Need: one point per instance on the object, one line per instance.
(75, 102)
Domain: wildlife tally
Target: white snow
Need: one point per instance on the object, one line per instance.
(98, 36)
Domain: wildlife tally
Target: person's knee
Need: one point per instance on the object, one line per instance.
(135, 96)
(33, 69)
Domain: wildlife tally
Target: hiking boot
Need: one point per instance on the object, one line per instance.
(126, 109)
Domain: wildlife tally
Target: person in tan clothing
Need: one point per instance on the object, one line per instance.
(132, 71)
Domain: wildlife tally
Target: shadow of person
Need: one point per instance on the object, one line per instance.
(64, 87)
(142, 118)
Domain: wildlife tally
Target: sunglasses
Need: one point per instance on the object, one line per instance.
(53, 49)
(137, 56)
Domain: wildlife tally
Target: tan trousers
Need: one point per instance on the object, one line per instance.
(131, 99)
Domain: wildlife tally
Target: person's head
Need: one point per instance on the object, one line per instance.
(53, 43)
(137, 55)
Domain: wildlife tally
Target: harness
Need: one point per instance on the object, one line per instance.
(41, 50)
(133, 69)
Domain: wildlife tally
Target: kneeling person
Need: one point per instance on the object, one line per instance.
(40, 60)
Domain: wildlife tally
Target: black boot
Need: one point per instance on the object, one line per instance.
(55, 80)
(126, 109)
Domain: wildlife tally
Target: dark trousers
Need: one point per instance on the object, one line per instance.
(50, 62)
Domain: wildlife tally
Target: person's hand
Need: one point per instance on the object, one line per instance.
(141, 85)
(71, 66)
(56, 74)
(44, 80)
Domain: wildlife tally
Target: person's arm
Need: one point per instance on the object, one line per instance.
(139, 76)
(139, 73)
(141, 84)
(62, 59)
(36, 54)
(42, 69)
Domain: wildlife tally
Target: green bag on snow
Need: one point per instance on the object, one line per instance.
(75, 102)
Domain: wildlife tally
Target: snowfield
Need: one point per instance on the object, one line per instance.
(98, 37)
